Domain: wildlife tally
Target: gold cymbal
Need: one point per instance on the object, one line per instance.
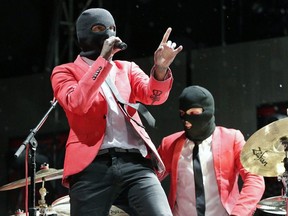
(273, 205)
(264, 151)
(41, 175)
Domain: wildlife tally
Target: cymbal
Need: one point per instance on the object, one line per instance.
(41, 175)
(264, 151)
(274, 205)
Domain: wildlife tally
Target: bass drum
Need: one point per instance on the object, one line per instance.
(62, 207)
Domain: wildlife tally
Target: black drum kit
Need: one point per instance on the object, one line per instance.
(266, 154)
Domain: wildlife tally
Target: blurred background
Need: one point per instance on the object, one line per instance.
(236, 49)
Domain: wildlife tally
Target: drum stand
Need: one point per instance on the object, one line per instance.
(33, 145)
(284, 177)
(42, 203)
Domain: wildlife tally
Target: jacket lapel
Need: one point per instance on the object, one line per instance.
(84, 67)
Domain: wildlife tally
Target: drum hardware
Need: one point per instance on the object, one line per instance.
(46, 174)
(19, 212)
(49, 212)
(284, 177)
(266, 154)
(42, 175)
(32, 144)
(42, 202)
(263, 152)
(42, 209)
(273, 205)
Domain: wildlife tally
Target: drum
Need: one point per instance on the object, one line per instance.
(62, 207)
(115, 211)
(273, 205)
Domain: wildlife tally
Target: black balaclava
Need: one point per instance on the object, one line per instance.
(203, 125)
(90, 42)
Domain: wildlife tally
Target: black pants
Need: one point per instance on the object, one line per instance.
(126, 180)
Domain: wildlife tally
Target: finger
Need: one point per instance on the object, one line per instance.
(166, 35)
(110, 41)
(115, 40)
(169, 43)
(179, 49)
(173, 45)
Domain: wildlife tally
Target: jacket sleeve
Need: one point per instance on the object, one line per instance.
(166, 156)
(76, 89)
(253, 185)
(148, 90)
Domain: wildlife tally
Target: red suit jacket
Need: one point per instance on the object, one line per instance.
(226, 149)
(77, 89)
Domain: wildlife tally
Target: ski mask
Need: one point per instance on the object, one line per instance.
(90, 42)
(203, 125)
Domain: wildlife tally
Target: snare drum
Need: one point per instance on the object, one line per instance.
(62, 207)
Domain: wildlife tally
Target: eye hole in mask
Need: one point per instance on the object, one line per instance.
(191, 112)
(102, 28)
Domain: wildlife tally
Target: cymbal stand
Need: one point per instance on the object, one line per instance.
(30, 139)
(42, 203)
(284, 176)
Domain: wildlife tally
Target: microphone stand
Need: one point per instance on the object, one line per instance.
(33, 145)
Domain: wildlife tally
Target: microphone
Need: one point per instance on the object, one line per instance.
(120, 45)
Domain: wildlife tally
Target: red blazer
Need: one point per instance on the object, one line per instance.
(226, 149)
(77, 89)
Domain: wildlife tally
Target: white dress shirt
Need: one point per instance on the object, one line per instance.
(119, 132)
(185, 197)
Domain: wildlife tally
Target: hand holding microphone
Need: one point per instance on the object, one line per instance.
(111, 46)
(120, 45)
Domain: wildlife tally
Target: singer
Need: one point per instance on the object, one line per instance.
(110, 159)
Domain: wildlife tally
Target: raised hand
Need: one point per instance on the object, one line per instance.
(166, 52)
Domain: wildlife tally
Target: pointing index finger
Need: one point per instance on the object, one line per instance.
(166, 35)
